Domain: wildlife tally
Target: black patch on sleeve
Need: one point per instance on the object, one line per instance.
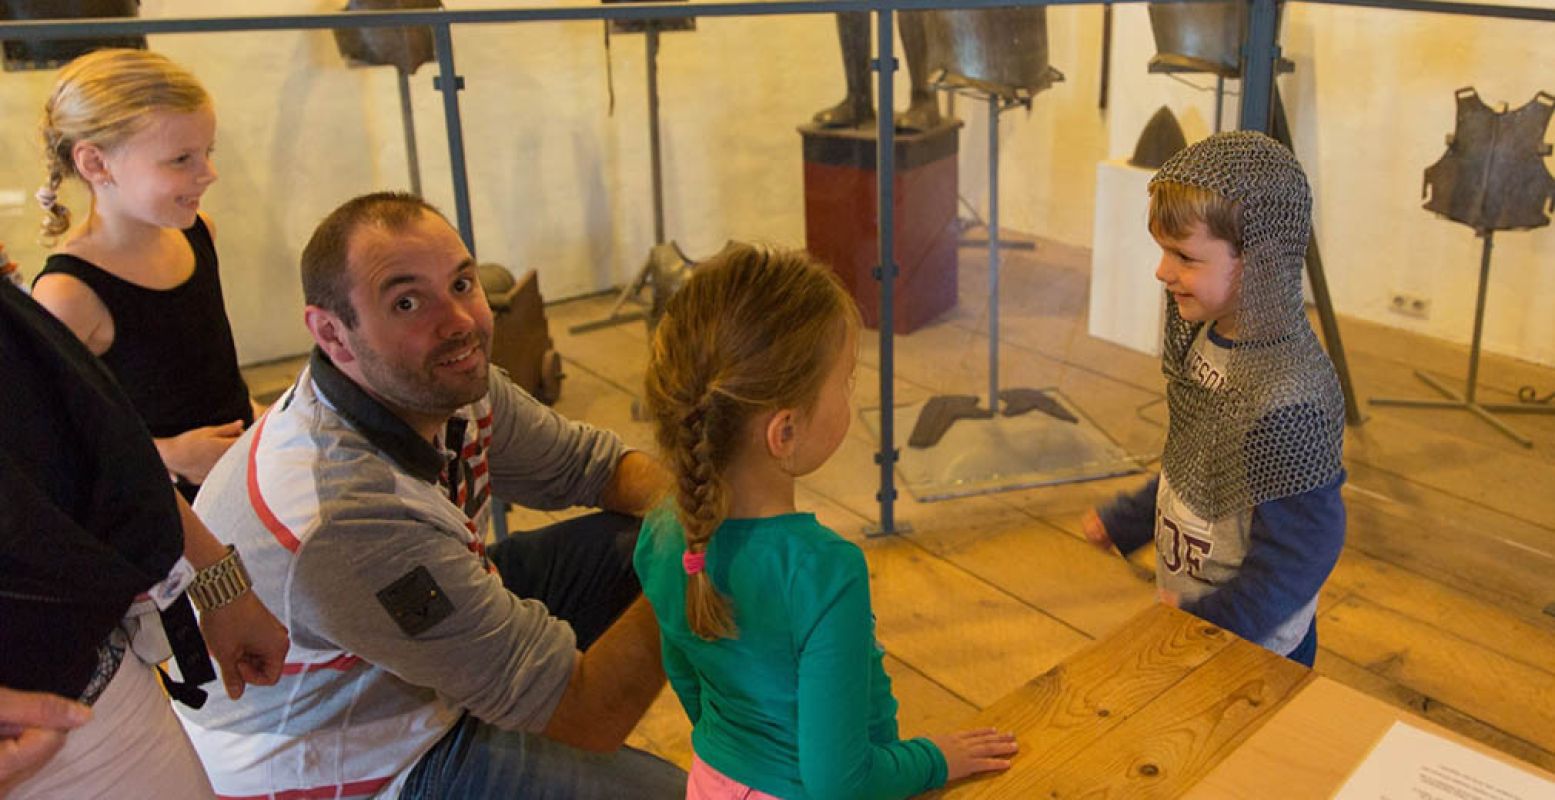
(416, 602)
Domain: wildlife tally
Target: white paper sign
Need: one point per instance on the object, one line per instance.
(1411, 764)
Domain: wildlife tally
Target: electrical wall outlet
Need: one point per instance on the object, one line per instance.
(1410, 305)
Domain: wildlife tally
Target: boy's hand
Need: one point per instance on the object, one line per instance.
(1168, 597)
(970, 752)
(1095, 531)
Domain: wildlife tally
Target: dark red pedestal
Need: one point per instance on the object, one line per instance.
(841, 220)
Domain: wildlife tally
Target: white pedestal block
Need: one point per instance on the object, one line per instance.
(1127, 302)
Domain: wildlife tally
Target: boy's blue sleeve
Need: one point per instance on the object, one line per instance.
(1130, 517)
(1295, 542)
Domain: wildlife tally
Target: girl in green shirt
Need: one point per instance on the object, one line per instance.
(763, 612)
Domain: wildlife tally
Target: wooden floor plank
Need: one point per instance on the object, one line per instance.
(964, 634)
(1515, 483)
(923, 706)
(1494, 556)
(1524, 638)
(664, 730)
(1504, 693)
(1044, 567)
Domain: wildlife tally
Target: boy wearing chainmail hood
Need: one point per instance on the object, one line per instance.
(1246, 514)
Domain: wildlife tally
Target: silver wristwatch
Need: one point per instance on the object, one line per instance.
(220, 583)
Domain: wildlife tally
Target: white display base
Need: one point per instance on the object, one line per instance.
(980, 456)
(1127, 303)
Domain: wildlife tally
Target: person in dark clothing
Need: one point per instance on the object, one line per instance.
(92, 540)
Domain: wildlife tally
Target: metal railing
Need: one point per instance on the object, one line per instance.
(1260, 51)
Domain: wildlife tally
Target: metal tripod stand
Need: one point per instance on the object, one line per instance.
(616, 315)
(1468, 400)
(942, 411)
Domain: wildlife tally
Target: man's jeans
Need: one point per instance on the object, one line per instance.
(582, 570)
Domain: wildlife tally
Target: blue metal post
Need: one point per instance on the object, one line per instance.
(449, 83)
(1259, 53)
(885, 203)
(993, 252)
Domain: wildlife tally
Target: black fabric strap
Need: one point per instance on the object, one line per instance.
(194, 661)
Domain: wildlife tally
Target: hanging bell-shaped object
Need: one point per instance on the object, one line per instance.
(1000, 51)
(405, 48)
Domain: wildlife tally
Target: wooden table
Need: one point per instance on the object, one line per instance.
(1170, 706)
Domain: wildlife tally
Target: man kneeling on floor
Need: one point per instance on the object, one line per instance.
(423, 664)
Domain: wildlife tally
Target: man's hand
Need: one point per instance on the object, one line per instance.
(32, 730)
(1095, 531)
(191, 454)
(248, 643)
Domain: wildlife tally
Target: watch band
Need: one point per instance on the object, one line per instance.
(220, 583)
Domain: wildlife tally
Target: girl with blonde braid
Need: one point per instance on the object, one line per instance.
(136, 281)
(764, 614)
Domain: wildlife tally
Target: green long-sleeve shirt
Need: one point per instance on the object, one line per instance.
(798, 705)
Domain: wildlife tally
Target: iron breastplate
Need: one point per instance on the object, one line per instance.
(1492, 176)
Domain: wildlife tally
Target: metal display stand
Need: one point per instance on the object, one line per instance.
(1002, 454)
(629, 294)
(966, 406)
(1468, 400)
(408, 119)
(1260, 50)
(972, 218)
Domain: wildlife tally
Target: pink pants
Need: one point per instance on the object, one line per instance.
(707, 783)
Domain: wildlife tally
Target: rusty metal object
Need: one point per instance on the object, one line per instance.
(621, 26)
(1492, 177)
(1020, 401)
(1160, 140)
(405, 48)
(1198, 37)
(520, 334)
(997, 51)
(51, 53)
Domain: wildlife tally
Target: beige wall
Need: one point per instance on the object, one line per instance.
(561, 185)
(558, 183)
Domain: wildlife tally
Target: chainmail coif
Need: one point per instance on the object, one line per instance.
(1276, 429)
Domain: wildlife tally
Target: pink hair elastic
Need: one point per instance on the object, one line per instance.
(693, 562)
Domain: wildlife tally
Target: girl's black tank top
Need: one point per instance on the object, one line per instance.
(172, 349)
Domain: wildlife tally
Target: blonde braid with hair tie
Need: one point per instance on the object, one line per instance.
(56, 218)
(702, 504)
